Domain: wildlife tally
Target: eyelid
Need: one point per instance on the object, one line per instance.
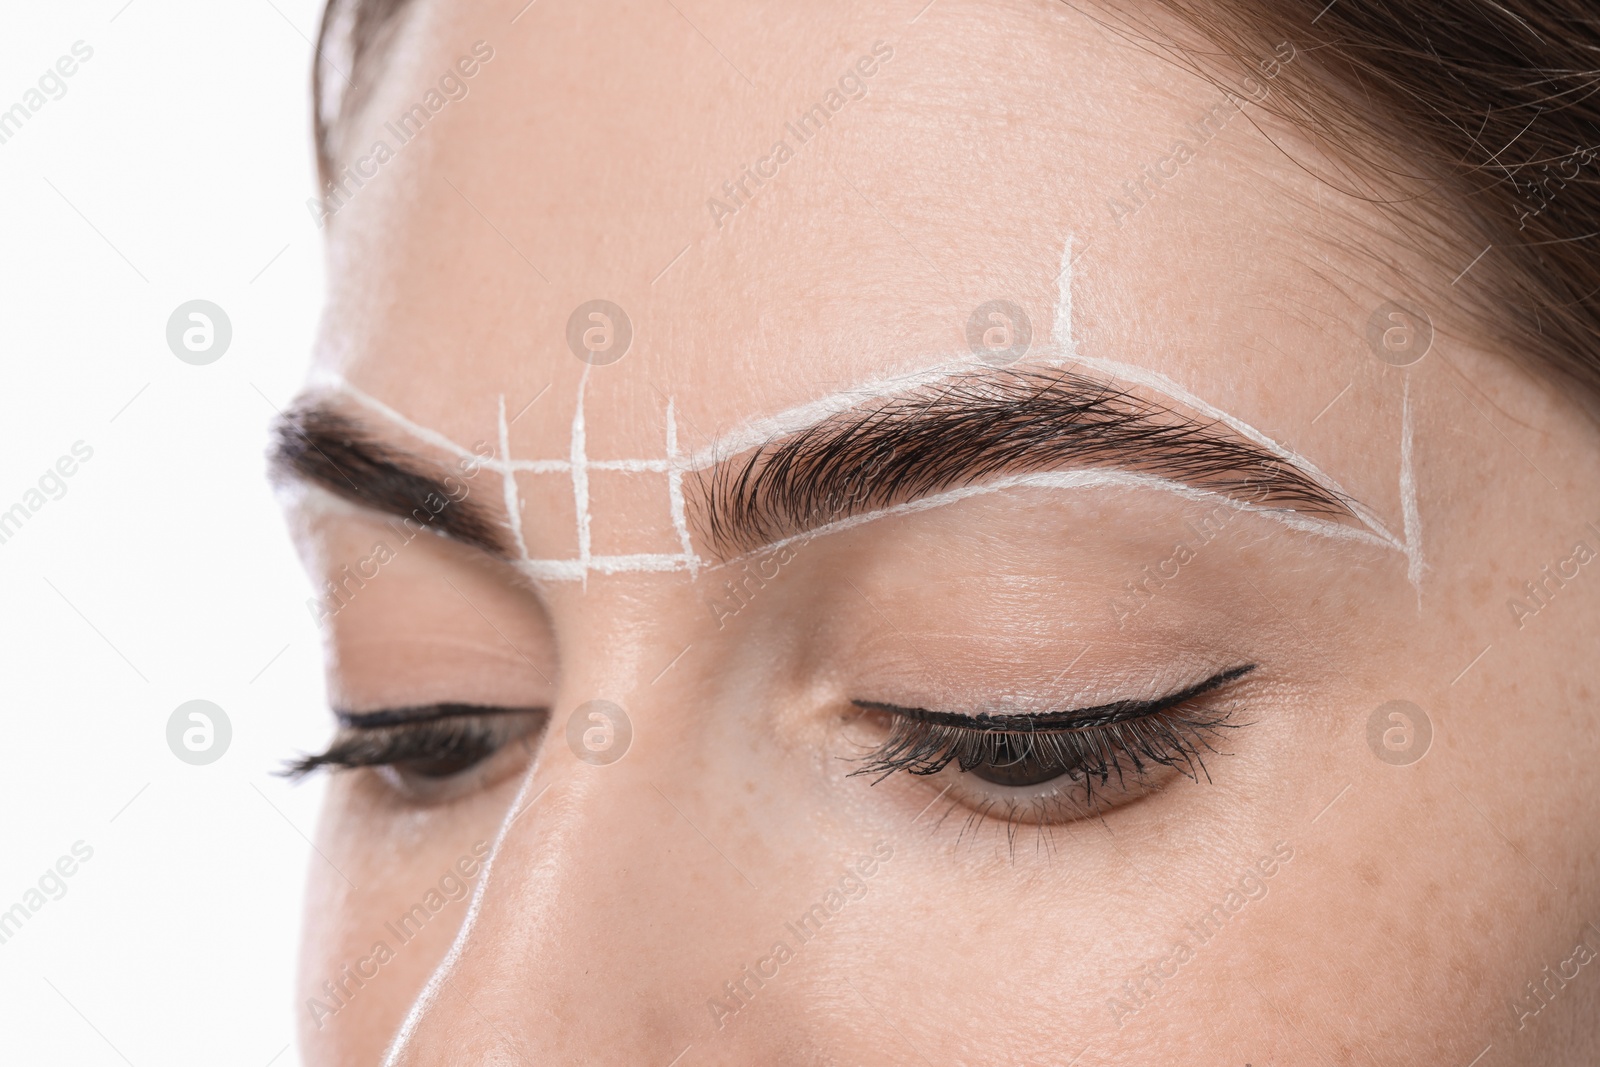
(408, 716)
(1116, 711)
(369, 739)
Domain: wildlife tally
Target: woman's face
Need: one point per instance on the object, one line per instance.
(982, 363)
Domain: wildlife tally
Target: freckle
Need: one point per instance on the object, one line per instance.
(1368, 873)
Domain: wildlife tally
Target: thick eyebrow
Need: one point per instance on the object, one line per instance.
(977, 427)
(317, 444)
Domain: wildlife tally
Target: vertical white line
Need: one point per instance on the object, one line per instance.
(1061, 334)
(1408, 496)
(509, 479)
(580, 477)
(675, 490)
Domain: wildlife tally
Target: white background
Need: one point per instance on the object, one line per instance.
(176, 166)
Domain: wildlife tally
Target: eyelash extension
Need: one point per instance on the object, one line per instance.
(1089, 744)
(399, 735)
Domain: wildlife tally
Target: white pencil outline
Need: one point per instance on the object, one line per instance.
(509, 478)
(580, 476)
(762, 430)
(1408, 497)
(680, 519)
(1098, 478)
(1061, 332)
(577, 569)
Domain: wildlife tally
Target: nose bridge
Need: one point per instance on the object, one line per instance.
(599, 924)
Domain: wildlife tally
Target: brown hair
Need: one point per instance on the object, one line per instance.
(351, 30)
(1475, 124)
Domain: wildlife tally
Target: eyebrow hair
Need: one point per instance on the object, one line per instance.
(319, 445)
(972, 428)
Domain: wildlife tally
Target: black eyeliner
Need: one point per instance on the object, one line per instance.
(420, 713)
(1110, 714)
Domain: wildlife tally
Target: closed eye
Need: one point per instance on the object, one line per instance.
(422, 748)
(1075, 759)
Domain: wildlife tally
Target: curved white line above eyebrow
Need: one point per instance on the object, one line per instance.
(339, 384)
(1081, 479)
(1162, 384)
(757, 432)
(764, 429)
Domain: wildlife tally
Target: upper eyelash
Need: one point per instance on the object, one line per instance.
(421, 713)
(1089, 743)
(394, 735)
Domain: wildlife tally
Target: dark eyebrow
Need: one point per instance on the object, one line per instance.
(974, 427)
(317, 444)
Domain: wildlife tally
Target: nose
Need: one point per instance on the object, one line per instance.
(614, 900)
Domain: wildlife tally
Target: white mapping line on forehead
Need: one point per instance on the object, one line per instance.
(680, 520)
(760, 431)
(578, 466)
(1060, 352)
(1408, 496)
(1061, 333)
(580, 475)
(1079, 479)
(513, 505)
(334, 383)
(764, 429)
(1162, 384)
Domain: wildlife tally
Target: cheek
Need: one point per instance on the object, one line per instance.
(382, 863)
(1380, 918)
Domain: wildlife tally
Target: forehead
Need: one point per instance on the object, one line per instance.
(787, 200)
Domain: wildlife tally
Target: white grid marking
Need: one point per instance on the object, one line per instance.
(756, 432)
(680, 520)
(1408, 497)
(509, 478)
(580, 475)
(1061, 334)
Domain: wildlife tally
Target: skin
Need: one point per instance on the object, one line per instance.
(1416, 901)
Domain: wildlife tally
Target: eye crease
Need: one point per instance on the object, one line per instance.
(1089, 747)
